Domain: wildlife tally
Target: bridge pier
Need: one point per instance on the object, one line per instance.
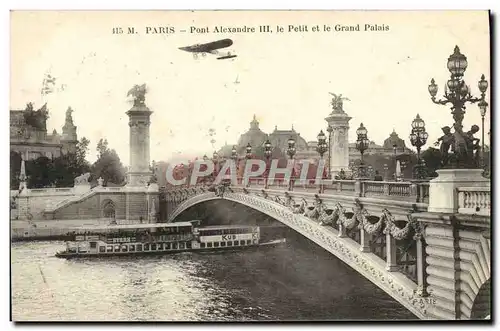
(457, 264)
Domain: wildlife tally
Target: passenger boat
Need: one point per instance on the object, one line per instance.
(160, 238)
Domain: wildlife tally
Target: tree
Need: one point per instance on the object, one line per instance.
(82, 148)
(102, 147)
(108, 166)
(40, 172)
(432, 158)
(66, 168)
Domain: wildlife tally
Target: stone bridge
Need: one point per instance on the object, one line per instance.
(437, 265)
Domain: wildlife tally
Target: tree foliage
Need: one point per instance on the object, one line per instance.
(56, 172)
(108, 165)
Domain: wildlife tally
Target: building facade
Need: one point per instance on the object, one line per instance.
(393, 145)
(28, 134)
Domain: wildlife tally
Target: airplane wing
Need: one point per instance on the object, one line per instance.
(208, 47)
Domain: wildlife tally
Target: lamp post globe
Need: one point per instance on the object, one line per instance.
(268, 149)
(482, 84)
(457, 63)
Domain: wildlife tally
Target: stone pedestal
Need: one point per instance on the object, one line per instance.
(339, 142)
(443, 194)
(22, 207)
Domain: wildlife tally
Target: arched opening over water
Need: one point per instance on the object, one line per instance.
(481, 307)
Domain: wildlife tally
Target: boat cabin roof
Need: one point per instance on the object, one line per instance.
(223, 227)
(132, 226)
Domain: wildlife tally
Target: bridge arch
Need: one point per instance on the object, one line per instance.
(308, 222)
(481, 307)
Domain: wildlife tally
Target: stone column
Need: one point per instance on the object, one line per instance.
(139, 121)
(339, 144)
(139, 173)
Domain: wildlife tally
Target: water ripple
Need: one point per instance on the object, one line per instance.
(288, 283)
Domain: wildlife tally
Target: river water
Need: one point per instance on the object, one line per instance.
(296, 281)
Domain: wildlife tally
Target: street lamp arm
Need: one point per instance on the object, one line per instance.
(473, 100)
(441, 101)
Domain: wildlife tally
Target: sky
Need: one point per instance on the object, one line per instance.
(284, 78)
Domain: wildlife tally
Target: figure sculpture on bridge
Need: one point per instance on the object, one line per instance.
(472, 144)
(337, 102)
(464, 147)
(138, 92)
(447, 141)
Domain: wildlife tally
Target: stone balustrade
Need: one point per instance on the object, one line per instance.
(416, 191)
(474, 200)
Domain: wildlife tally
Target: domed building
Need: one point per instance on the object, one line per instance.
(304, 149)
(394, 142)
(254, 136)
(279, 138)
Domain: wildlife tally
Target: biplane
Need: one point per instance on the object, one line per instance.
(211, 48)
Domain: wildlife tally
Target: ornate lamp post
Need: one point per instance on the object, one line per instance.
(386, 171)
(234, 157)
(362, 145)
(291, 152)
(322, 146)
(321, 149)
(268, 151)
(248, 151)
(457, 93)
(248, 155)
(395, 150)
(418, 138)
(329, 130)
(215, 159)
(483, 106)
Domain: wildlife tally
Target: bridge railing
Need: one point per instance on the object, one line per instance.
(417, 191)
(474, 200)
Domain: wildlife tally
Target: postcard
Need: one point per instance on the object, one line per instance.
(239, 166)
